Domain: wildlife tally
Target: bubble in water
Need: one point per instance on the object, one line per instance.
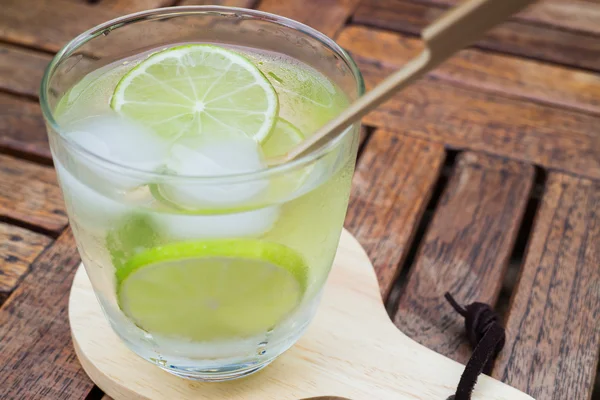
(261, 350)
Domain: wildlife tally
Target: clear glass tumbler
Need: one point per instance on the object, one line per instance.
(215, 285)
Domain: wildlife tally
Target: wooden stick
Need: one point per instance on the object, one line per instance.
(453, 31)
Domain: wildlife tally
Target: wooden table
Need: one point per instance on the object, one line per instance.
(483, 179)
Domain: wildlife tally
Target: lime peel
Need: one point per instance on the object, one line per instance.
(212, 289)
(272, 252)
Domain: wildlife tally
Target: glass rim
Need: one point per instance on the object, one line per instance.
(94, 32)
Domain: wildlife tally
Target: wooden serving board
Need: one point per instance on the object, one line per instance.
(351, 349)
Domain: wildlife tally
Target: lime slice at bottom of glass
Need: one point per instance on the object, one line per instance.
(212, 290)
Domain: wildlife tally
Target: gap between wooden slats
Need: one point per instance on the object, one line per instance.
(391, 188)
(496, 73)
(465, 250)
(37, 353)
(552, 326)
(461, 118)
(523, 39)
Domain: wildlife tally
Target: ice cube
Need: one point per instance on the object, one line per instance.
(215, 158)
(121, 141)
(188, 227)
(88, 207)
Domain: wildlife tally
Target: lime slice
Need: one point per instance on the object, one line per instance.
(198, 90)
(284, 137)
(213, 289)
(303, 92)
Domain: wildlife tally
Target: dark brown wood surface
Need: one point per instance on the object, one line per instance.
(22, 129)
(482, 179)
(522, 39)
(392, 185)
(49, 24)
(130, 6)
(228, 3)
(463, 118)
(572, 15)
(19, 247)
(35, 342)
(29, 194)
(327, 16)
(490, 72)
(465, 251)
(21, 70)
(553, 324)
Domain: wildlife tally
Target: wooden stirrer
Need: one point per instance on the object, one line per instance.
(453, 31)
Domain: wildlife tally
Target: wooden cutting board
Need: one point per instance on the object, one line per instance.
(352, 349)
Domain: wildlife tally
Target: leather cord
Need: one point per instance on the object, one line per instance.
(486, 336)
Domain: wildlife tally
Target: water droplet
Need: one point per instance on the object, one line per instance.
(262, 348)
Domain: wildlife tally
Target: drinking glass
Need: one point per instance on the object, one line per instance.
(124, 238)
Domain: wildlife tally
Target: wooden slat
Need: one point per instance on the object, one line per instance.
(22, 128)
(61, 20)
(578, 16)
(487, 71)
(390, 191)
(463, 118)
(327, 16)
(30, 193)
(465, 250)
(130, 6)
(573, 15)
(18, 248)
(21, 70)
(526, 40)
(48, 24)
(228, 3)
(38, 361)
(553, 333)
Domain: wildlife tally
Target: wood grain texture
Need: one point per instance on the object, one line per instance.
(228, 3)
(38, 361)
(327, 16)
(22, 128)
(18, 248)
(465, 250)
(30, 193)
(391, 187)
(131, 6)
(571, 15)
(61, 20)
(522, 39)
(463, 118)
(552, 328)
(21, 22)
(21, 70)
(331, 359)
(506, 75)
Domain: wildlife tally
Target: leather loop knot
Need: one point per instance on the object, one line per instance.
(487, 337)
